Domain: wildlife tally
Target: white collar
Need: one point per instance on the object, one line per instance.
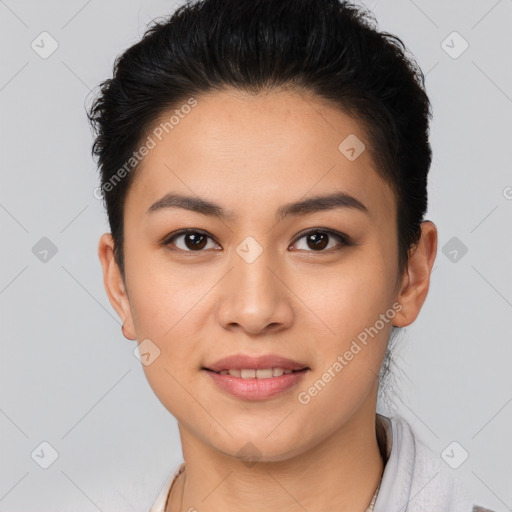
(415, 478)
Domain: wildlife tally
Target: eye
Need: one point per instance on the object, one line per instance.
(193, 240)
(318, 240)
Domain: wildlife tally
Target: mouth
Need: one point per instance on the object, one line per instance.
(255, 377)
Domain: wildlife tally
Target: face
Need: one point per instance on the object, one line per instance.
(257, 275)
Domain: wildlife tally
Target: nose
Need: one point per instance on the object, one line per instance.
(254, 297)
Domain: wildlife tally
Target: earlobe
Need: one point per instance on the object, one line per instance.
(114, 284)
(126, 334)
(416, 280)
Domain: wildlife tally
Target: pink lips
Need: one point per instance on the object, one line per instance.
(239, 361)
(254, 388)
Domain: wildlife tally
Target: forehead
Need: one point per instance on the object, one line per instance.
(246, 151)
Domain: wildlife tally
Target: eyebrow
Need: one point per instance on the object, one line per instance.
(304, 207)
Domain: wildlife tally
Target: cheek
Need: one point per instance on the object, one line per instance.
(348, 339)
(165, 306)
(160, 294)
(350, 296)
(347, 305)
(170, 308)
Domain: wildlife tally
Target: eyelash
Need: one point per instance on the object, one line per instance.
(344, 240)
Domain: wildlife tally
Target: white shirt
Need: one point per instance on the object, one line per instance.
(415, 478)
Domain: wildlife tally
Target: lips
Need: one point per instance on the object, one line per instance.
(256, 383)
(241, 361)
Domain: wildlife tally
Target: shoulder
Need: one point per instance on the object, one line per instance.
(417, 479)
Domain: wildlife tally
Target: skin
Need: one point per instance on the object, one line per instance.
(251, 155)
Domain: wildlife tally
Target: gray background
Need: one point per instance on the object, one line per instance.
(69, 378)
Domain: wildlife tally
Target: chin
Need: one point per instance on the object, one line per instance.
(258, 449)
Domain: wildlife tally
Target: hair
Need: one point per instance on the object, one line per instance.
(330, 48)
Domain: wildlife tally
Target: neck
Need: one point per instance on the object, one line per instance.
(340, 473)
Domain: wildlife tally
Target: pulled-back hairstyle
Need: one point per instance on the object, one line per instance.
(331, 48)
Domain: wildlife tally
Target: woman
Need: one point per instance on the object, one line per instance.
(264, 168)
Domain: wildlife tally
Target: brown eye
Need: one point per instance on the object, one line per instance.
(317, 240)
(192, 241)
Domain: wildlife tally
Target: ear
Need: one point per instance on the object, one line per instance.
(416, 279)
(114, 284)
